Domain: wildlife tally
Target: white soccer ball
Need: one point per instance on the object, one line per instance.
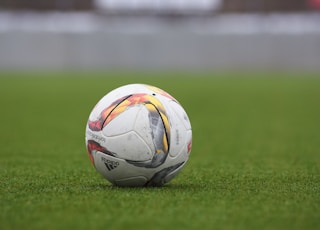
(138, 135)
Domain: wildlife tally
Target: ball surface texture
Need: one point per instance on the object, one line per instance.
(138, 135)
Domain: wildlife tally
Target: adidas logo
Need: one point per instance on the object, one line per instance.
(111, 164)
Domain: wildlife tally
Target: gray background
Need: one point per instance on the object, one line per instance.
(222, 42)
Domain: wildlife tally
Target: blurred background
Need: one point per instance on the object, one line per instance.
(160, 34)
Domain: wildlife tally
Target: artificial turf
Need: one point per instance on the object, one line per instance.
(255, 162)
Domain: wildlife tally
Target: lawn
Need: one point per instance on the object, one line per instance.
(255, 162)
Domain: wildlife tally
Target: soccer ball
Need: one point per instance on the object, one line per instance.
(138, 135)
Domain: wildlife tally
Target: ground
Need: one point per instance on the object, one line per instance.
(255, 161)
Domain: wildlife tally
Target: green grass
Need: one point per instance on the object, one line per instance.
(255, 162)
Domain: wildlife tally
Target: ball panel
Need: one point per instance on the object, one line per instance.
(178, 140)
(113, 168)
(122, 123)
(129, 146)
(161, 176)
(142, 127)
(189, 141)
(173, 174)
(180, 113)
(137, 181)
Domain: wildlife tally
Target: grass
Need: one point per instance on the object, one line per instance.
(255, 161)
